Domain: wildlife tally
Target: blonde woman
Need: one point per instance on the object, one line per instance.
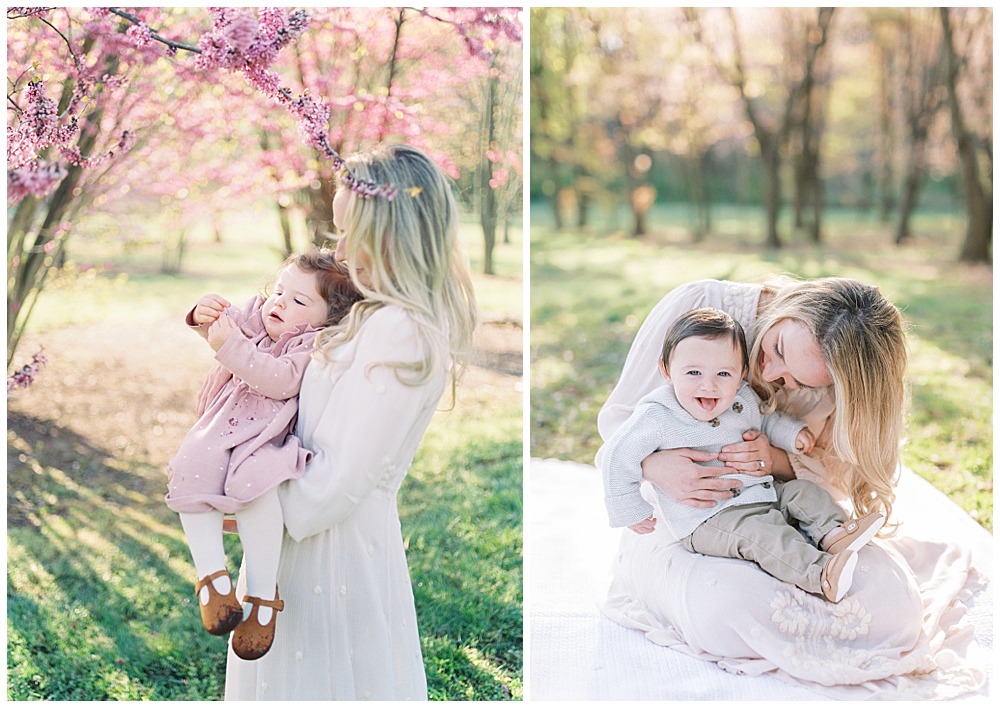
(348, 630)
(830, 352)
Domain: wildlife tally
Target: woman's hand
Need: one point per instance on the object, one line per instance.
(677, 474)
(647, 525)
(752, 456)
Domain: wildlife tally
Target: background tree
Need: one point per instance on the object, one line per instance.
(979, 234)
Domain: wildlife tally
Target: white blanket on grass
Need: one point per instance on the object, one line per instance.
(577, 653)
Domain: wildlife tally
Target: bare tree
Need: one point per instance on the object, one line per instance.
(979, 235)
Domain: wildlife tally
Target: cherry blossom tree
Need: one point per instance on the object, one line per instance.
(192, 109)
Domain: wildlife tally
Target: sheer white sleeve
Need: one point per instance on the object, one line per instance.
(363, 429)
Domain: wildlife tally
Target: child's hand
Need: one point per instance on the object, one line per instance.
(645, 526)
(208, 309)
(805, 440)
(220, 330)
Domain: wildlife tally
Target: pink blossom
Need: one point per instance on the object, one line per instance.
(36, 178)
(500, 177)
(25, 376)
(241, 32)
(140, 35)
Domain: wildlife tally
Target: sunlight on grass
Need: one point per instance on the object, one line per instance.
(590, 293)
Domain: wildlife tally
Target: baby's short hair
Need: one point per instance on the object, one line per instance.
(705, 322)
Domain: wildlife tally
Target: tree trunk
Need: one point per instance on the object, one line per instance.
(34, 262)
(487, 196)
(582, 209)
(772, 192)
(976, 248)
(556, 211)
(911, 188)
(698, 194)
(286, 229)
(887, 137)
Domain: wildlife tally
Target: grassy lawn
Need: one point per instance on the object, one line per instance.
(591, 291)
(100, 581)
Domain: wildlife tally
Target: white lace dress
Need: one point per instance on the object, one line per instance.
(349, 627)
(901, 632)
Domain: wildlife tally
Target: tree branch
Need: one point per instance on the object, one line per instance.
(136, 21)
(69, 45)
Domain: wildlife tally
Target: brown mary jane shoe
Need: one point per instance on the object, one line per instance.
(223, 612)
(251, 640)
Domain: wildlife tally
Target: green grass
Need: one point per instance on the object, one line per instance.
(99, 585)
(461, 515)
(591, 291)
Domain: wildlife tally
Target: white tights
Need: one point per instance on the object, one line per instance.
(261, 530)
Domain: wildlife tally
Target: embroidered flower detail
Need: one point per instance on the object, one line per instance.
(234, 422)
(850, 620)
(789, 614)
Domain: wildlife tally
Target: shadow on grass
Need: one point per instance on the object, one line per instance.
(98, 599)
(462, 526)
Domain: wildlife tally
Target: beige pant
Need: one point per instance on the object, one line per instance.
(765, 534)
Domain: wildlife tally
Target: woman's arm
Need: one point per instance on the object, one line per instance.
(364, 433)
(678, 475)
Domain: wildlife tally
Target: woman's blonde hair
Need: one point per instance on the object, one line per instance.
(861, 337)
(414, 260)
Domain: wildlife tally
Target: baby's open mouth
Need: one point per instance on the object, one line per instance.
(274, 316)
(707, 404)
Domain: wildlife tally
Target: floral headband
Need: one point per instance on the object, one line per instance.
(364, 188)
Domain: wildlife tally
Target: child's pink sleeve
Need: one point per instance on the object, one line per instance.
(275, 377)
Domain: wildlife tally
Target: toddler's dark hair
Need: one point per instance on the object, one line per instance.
(709, 323)
(332, 280)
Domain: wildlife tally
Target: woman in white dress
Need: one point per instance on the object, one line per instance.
(830, 352)
(348, 630)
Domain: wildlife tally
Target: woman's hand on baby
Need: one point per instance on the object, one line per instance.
(746, 457)
(678, 475)
(647, 525)
(209, 308)
(220, 330)
(805, 440)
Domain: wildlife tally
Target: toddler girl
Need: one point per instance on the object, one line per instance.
(241, 448)
(705, 405)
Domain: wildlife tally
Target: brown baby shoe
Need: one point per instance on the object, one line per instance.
(855, 533)
(837, 576)
(251, 640)
(223, 612)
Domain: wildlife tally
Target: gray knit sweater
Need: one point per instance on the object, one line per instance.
(660, 423)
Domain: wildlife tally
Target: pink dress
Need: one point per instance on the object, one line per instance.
(242, 444)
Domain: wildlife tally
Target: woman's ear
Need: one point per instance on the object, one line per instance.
(666, 374)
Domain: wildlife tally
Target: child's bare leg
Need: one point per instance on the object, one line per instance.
(261, 531)
(204, 537)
